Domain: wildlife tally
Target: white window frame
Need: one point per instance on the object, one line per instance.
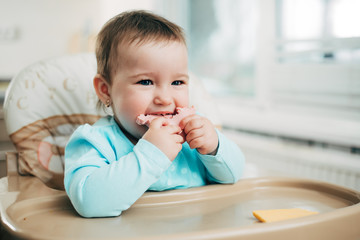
(262, 114)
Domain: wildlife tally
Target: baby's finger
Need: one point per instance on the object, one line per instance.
(158, 122)
(194, 133)
(196, 123)
(179, 138)
(173, 129)
(196, 142)
(186, 122)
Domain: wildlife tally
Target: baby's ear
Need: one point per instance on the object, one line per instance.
(102, 88)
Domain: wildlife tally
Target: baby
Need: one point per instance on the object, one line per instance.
(143, 70)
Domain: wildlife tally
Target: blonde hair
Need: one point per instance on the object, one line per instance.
(127, 28)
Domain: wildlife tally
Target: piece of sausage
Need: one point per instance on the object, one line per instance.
(175, 119)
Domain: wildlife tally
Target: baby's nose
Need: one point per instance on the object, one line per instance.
(162, 97)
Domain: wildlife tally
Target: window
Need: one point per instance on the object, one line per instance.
(318, 31)
(282, 67)
(318, 51)
(224, 33)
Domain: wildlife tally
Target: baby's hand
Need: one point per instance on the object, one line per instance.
(200, 134)
(165, 137)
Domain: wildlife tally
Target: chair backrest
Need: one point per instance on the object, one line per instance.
(48, 100)
(43, 105)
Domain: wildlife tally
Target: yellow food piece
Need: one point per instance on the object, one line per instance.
(274, 215)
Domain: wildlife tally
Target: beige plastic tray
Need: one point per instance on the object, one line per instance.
(30, 210)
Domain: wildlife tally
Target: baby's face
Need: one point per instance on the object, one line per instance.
(151, 78)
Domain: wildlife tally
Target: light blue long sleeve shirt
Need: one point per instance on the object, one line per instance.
(105, 173)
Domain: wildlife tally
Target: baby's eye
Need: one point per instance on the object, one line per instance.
(145, 82)
(177, 82)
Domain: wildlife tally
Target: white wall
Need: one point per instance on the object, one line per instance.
(31, 30)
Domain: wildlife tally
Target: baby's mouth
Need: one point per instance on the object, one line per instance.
(146, 119)
(172, 118)
(160, 114)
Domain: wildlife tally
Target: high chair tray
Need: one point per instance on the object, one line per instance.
(34, 211)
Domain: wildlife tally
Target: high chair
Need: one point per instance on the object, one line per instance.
(47, 101)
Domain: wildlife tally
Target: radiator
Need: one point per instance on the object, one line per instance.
(271, 156)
